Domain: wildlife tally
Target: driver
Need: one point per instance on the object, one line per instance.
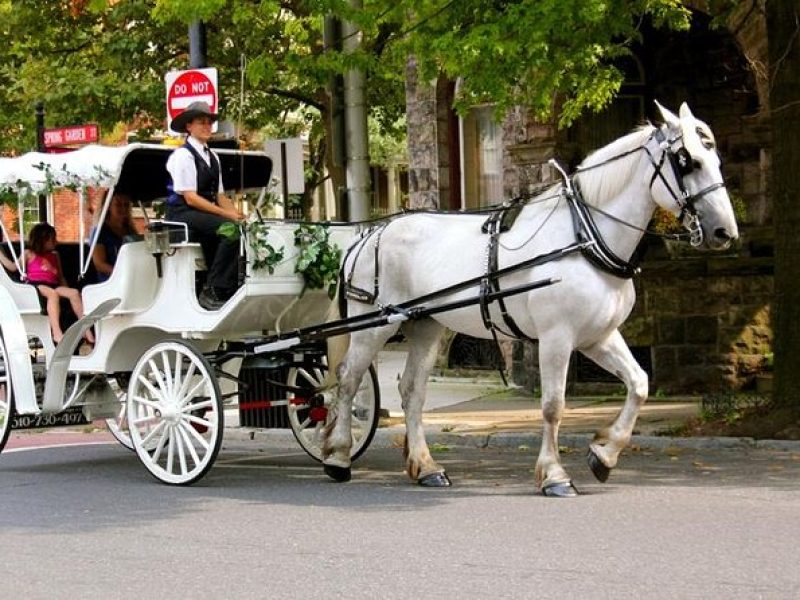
(196, 198)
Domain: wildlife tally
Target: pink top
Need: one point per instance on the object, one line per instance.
(43, 268)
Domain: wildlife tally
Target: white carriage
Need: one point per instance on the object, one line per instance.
(163, 370)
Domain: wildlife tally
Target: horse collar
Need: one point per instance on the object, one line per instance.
(595, 249)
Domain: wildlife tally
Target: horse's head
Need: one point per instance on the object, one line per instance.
(688, 181)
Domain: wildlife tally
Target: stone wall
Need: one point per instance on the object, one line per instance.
(705, 322)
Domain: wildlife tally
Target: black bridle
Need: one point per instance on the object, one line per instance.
(682, 164)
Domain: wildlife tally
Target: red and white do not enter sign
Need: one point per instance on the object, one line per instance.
(185, 87)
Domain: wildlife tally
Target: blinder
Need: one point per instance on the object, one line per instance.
(684, 162)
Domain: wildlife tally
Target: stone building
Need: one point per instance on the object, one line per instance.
(701, 322)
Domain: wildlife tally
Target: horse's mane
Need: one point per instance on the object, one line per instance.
(603, 183)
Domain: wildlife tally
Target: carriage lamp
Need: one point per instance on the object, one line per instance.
(156, 240)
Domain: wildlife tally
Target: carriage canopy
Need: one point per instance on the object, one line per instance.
(137, 169)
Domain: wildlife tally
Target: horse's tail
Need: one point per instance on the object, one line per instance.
(337, 345)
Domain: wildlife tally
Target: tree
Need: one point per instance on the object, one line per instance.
(783, 26)
(80, 65)
(527, 52)
(104, 61)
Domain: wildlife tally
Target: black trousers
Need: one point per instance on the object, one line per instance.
(221, 254)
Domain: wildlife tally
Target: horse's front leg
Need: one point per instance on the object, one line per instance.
(615, 357)
(553, 364)
(424, 337)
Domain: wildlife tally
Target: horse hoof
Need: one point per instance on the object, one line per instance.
(436, 480)
(599, 469)
(560, 490)
(338, 474)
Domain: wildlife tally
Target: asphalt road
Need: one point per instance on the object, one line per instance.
(90, 522)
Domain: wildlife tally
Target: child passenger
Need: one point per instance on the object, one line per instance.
(44, 271)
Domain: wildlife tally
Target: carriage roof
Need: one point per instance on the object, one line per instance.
(137, 169)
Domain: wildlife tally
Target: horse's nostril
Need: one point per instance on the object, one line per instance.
(722, 234)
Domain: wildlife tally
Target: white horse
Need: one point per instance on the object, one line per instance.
(674, 166)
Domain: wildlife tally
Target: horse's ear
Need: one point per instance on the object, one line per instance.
(685, 112)
(670, 118)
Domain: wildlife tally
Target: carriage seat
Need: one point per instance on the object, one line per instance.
(134, 281)
(25, 295)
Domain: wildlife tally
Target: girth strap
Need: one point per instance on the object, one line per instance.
(491, 283)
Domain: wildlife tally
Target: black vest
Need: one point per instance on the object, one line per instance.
(207, 178)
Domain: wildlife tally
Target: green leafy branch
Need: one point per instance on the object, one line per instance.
(319, 259)
(264, 255)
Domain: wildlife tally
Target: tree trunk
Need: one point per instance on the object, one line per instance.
(783, 34)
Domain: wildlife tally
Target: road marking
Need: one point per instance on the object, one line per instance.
(67, 445)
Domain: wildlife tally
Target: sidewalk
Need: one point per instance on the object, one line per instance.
(485, 406)
(516, 411)
(513, 420)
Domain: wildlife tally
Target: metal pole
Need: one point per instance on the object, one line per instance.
(355, 123)
(198, 58)
(40, 147)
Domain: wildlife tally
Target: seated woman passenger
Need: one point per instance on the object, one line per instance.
(117, 226)
(43, 270)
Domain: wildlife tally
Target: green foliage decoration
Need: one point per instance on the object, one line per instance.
(319, 259)
(263, 254)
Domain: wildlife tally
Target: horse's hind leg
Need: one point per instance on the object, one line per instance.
(424, 337)
(338, 440)
(614, 356)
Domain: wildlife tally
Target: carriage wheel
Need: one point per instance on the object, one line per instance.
(118, 425)
(6, 397)
(174, 412)
(309, 416)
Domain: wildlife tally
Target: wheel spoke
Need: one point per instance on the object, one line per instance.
(153, 432)
(150, 387)
(184, 400)
(169, 384)
(153, 404)
(156, 373)
(187, 378)
(198, 420)
(204, 404)
(201, 441)
(184, 431)
(162, 442)
(181, 451)
(170, 450)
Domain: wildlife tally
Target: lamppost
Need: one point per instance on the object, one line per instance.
(197, 45)
(41, 148)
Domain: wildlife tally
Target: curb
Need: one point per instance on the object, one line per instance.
(392, 437)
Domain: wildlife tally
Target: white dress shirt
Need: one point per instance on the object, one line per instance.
(181, 167)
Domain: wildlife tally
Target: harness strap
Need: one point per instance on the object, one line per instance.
(596, 250)
(490, 287)
(493, 284)
(351, 291)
